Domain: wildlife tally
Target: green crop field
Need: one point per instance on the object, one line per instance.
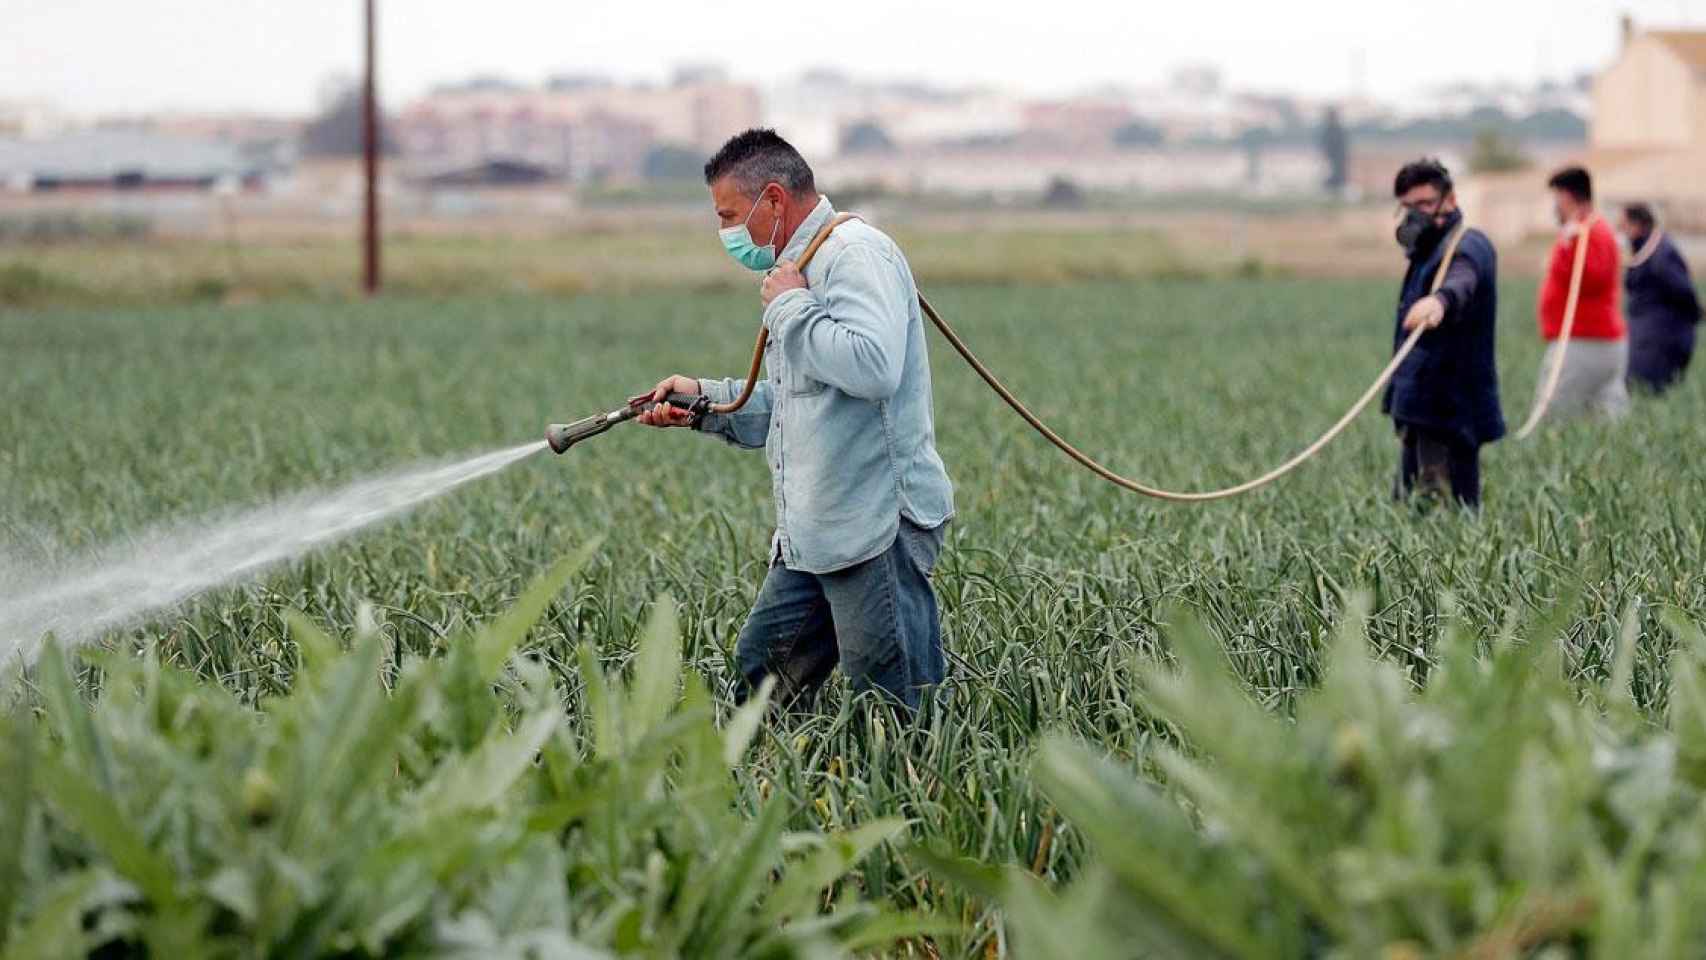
(1306, 722)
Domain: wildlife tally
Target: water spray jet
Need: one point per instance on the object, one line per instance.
(159, 569)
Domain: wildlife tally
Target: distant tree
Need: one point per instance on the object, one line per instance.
(1493, 152)
(1063, 193)
(1139, 134)
(1336, 148)
(866, 137)
(336, 132)
(1550, 125)
(668, 162)
(1483, 117)
(1554, 124)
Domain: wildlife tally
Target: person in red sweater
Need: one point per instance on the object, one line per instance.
(1598, 356)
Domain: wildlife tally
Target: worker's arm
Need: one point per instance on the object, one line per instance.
(851, 334)
(1461, 281)
(1670, 272)
(745, 427)
(1430, 311)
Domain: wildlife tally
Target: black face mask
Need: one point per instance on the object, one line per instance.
(1415, 229)
(1419, 232)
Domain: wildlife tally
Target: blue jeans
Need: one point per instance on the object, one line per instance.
(878, 619)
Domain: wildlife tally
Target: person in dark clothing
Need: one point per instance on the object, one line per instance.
(1444, 398)
(1662, 306)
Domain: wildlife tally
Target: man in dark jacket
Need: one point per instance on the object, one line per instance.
(1444, 399)
(1663, 305)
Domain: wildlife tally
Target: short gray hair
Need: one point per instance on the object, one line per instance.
(758, 157)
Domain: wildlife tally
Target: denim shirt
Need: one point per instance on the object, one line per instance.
(844, 412)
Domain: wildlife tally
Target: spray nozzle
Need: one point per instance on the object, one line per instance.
(562, 436)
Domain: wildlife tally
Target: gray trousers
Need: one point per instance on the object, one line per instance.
(1591, 381)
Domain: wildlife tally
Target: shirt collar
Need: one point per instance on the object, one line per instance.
(808, 229)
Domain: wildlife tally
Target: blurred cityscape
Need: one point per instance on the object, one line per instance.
(487, 147)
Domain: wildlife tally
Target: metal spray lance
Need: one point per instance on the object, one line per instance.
(562, 436)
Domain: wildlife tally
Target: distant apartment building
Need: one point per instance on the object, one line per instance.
(578, 128)
(817, 110)
(972, 117)
(1180, 136)
(1010, 171)
(1194, 104)
(1088, 122)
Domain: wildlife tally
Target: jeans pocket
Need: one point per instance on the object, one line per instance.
(920, 546)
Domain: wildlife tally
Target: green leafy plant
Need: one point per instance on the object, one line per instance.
(1496, 813)
(414, 806)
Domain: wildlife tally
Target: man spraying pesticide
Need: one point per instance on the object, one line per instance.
(1444, 398)
(844, 414)
(844, 417)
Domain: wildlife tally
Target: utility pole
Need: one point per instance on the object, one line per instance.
(370, 158)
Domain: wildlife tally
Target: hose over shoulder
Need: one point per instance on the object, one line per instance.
(1090, 463)
(1543, 399)
(764, 332)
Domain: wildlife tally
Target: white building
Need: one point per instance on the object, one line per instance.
(32, 120)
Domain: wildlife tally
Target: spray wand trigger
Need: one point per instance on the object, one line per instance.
(693, 403)
(562, 436)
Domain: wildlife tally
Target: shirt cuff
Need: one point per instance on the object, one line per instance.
(716, 390)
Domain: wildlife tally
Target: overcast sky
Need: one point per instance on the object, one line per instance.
(139, 55)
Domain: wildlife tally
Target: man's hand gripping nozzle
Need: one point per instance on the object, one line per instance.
(562, 436)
